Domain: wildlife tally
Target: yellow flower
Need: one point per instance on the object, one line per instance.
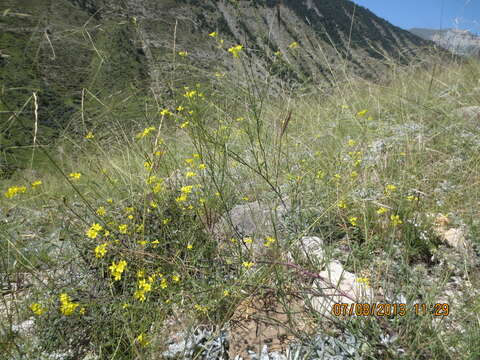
(190, 94)
(365, 281)
(184, 124)
(101, 211)
(395, 220)
(186, 189)
(176, 278)
(337, 177)
(345, 107)
(165, 112)
(351, 142)
(181, 198)
(148, 165)
(37, 309)
(109, 201)
(36, 183)
(74, 175)
(180, 108)
(139, 295)
(117, 269)
(125, 305)
(320, 174)
(123, 228)
(89, 135)
(226, 292)
(248, 240)
(189, 246)
(183, 53)
(157, 188)
(153, 204)
(166, 221)
(81, 311)
(342, 204)
(353, 220)
(142, 340)
(235, 50)
(390, 188)
(362, 112)
(354, 174)
(269, 241)
(202, 166)
(145, 132)
(293, 45)
(67, 307)
(381, 210)
(101, 250)
(201, 308)
(247, 264)
(92, 233)
(163, 283)
(14, 190)
(412, 198)
(190, 174)
(213, 34)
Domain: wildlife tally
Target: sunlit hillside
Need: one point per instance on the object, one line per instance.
(235, 216)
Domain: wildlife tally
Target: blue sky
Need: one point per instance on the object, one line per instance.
(434, 14)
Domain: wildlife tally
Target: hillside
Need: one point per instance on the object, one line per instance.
(234, 180)
(76, 53)
(460, 42)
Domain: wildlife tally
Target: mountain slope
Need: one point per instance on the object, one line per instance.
(461, 42)
(92, 55)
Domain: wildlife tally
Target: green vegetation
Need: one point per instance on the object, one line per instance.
(123, 222)
(137, 213)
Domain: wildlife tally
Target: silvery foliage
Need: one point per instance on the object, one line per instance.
(202, 345)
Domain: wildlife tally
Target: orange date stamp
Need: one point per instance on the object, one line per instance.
(386, 309)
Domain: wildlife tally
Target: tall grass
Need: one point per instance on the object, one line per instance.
(367, 168)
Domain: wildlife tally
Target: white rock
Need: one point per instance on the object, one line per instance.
(339, 286)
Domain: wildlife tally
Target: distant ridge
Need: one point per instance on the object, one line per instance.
(460, 42)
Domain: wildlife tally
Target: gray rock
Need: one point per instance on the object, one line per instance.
(254, 219)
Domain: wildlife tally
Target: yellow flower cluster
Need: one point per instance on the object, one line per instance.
(353, 220)
(118, 269)
(67, 307)
(235, 50)
(92, 233)
(14, 190)
(74, 175)
(123, 228)
(145, 132)
(381, 210)
(247, 264)
(36, 183)
(293, 45)
(101, 250)
(390, 189)
(395, 220)
(365, 281)
(269, 241)
(142, 340)
(37, 309)
(144, 286)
